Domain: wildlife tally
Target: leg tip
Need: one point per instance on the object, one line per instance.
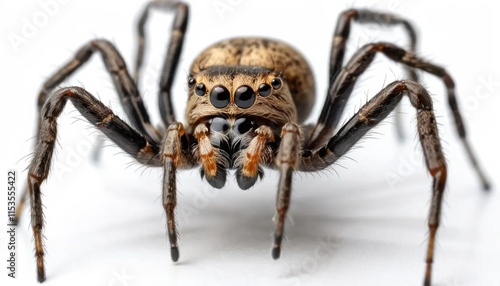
(276, 252)
(174, 253)
(486, 186)
(40, 269)
(41, 276)
(17, 215)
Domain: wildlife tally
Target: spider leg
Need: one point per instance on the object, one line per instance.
(373, 112)
(173, 159)
(343, 29)
(127, 90)
(172, 57)
(344, 84)
(287, 161)
(341, 35)
(124, 84)
(101, 117)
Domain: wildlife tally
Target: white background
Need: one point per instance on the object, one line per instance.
(350, 225)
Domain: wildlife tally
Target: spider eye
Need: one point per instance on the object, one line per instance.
(219, 96)
(244, 96)
(276, 83)
(264, 89)
(200, 89)
(191, 82)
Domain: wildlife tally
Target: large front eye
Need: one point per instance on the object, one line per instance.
(244, 96)
(219, 96)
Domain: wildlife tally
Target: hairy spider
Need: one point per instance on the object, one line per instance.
(246, 100)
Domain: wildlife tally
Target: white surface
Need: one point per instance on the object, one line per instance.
(105, 224)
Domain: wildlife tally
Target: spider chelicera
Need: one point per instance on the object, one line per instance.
(247, 99)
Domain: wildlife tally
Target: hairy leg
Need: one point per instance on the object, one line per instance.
(372, 113)
(126, 88)
(173, 53)
(287, 161)
(101, 117)
(173, 159)
(344, 84)
(339, 43)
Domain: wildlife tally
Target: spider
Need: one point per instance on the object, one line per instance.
(248, 99)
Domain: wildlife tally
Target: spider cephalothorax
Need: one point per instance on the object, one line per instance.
(247, 101)
(241, 89)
